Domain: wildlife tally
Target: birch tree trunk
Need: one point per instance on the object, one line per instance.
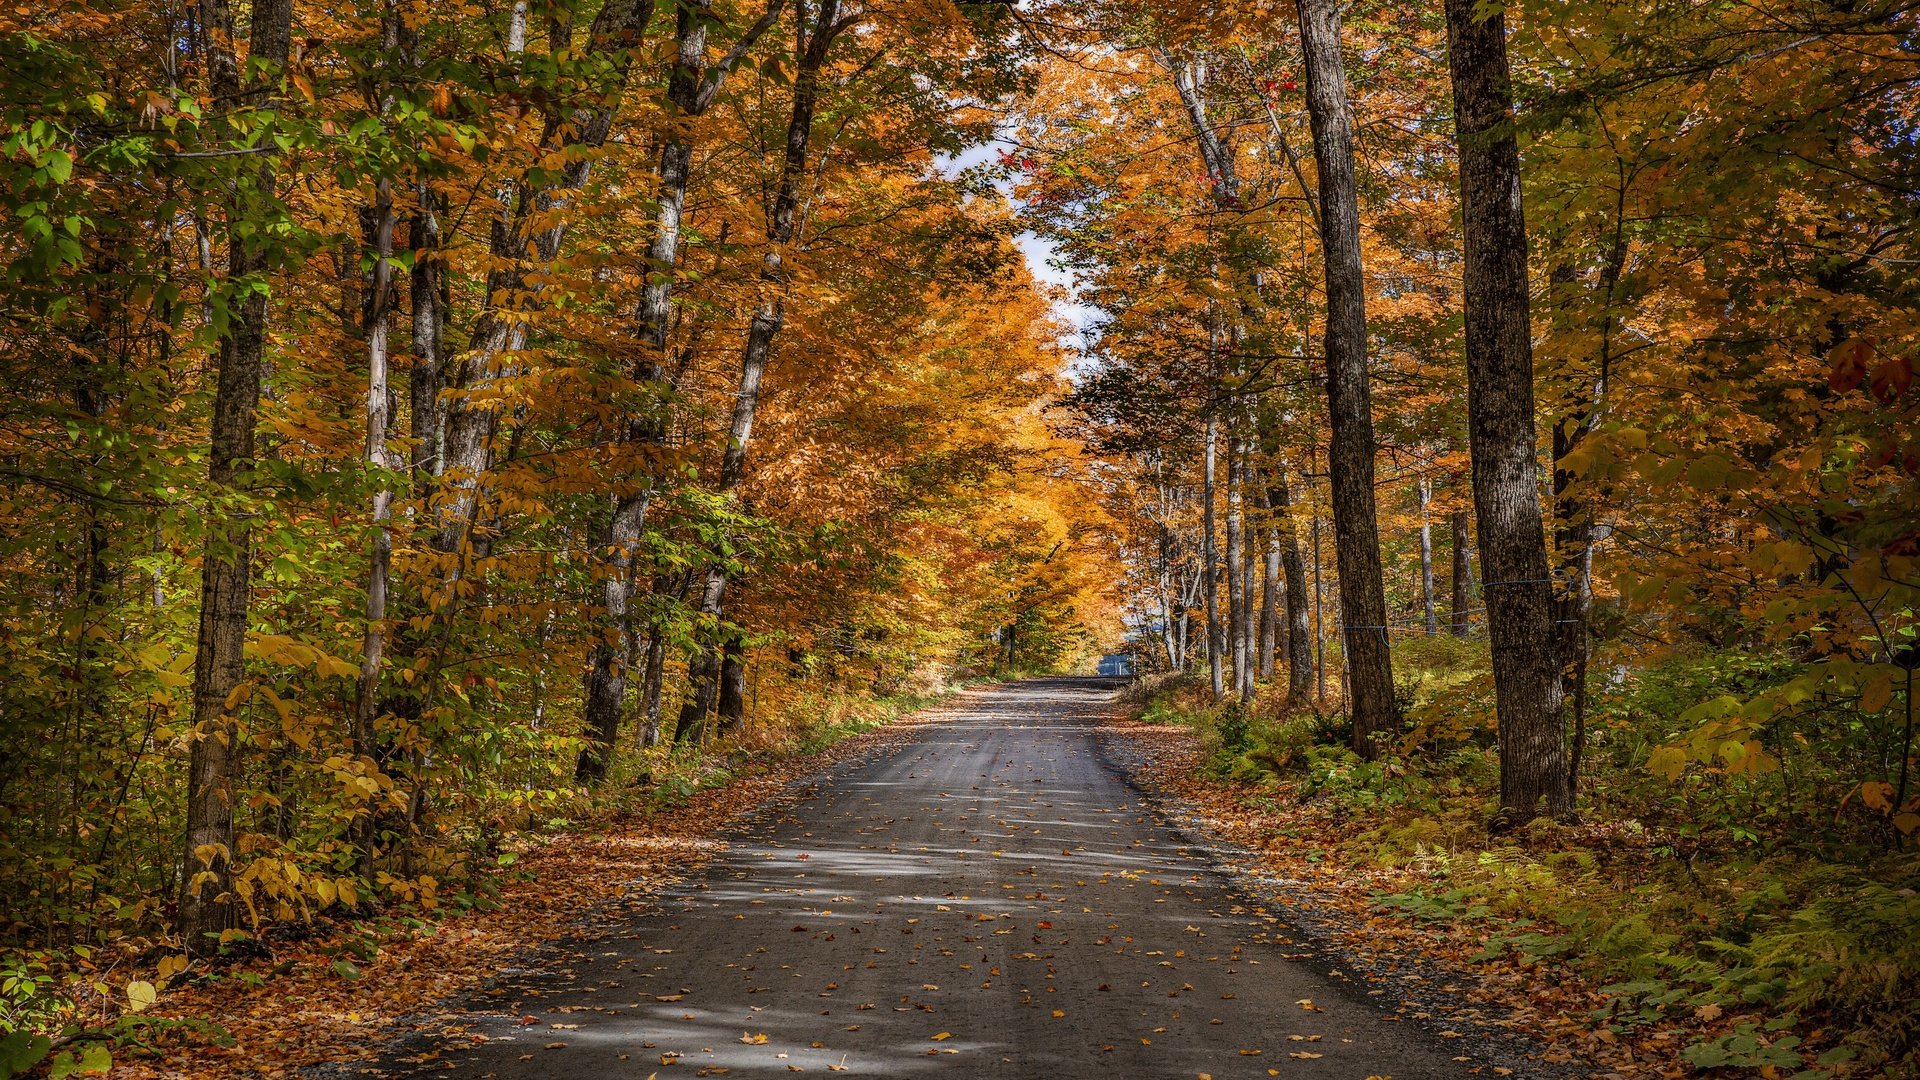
(1210, 560)
(692, 88)
(1428, 603)
(1299, 635)
(769, 316)
(380, 563)
(1363, 605)
(207, 904)
(1236, 577)
(1500, 422)
(1270, 590)
(526, 236)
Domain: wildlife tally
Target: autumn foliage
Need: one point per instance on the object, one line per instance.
(427, 424)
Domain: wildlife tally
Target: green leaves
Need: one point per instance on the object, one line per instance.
(22, 1050)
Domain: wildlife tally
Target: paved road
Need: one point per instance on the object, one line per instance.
(991, 900)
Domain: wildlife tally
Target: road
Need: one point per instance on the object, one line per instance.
(990, 900)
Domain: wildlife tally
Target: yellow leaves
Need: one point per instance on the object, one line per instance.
(1878, 692)
(171, 966)
(1877, 795)
(285, 650)
(1668, 761)
(1784, 557)
(752, 1039)
(141, 995)
(943, 1036)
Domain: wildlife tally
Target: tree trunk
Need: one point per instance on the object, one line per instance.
(1429, 604)
(732, 705)
(1299, 635)
(650, 687)
(769, 314)
(1363, 605)
(380, 563)
(606, 686)
(1319, 619)
(426, 293)
(531, 221)
(1210, 560)
(691, 90)
(1500, 421)
(207, 904)
(1462, 576)
(1249, 562)
(1270, 589)
(1237, 599)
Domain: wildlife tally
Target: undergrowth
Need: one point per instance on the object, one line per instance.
(1757, 910)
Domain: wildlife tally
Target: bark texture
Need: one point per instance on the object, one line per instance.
(692, 87)
(1500, 421)
(1461, 575)
(1210, 559)
(1293, 565)
(769, 316)
(207, 904)
(1350, 453)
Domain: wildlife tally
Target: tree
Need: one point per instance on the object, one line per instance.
(1363, 606)
(208, 905)
(1500, 407)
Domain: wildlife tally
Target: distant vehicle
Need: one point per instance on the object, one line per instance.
(1116, 664)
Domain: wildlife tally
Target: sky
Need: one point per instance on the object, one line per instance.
(1038, 250)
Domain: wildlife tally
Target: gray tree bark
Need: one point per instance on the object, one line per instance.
(1299, 635)
(769, 316)
(692, 87)
(527, 235)
(1237, 599)
(1429, 604)
(1363, 605)
(1500, 422)
(1210, 560)
(1270, 589)
(1461, 576)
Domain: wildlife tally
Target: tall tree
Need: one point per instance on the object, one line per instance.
(692, 87)
(814, 40)
(1351, 446)
(244, 85)
(1460, 578)
(1500, 421)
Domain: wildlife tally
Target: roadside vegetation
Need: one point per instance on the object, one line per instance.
(1765, 915)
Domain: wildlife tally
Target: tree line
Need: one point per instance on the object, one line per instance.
(1570, 331)
(419, 415)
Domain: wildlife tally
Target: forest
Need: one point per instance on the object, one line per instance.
(440, 436)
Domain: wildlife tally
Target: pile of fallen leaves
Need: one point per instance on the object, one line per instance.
(304, 1004)
(1303, 858)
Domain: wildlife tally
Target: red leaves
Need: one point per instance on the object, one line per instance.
(1853, 363)
(1891, 379)
(1849, 363)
